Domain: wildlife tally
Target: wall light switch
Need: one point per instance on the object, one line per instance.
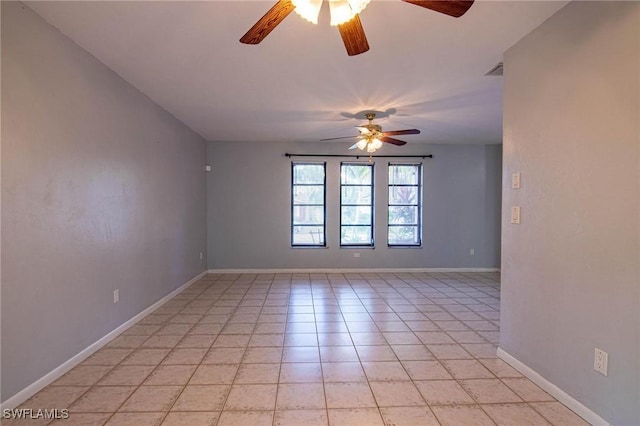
(515, 180)
(515, 215)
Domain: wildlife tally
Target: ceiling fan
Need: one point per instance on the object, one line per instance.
(371, 136)
(346, 18)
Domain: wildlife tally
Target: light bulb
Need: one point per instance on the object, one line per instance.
(308, 9)
(371, 148)
(377, 143)
(361, 144)
(341, 12)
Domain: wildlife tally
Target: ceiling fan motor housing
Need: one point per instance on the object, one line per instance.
(374, 129)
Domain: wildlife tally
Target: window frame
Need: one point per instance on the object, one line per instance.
(323, 243)
(418, 205)
(372, 205)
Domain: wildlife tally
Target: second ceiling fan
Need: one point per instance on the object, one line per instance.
(371, 136)
(351, 30)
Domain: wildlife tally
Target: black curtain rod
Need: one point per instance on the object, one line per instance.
(358, 156)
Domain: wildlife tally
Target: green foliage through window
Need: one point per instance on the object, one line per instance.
(356, 204)
(308, 210)
(405, 203)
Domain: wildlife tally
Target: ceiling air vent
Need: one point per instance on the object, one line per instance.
(497, 70)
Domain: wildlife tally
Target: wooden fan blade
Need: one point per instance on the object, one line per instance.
(343, 137)
(455, 8)
(353, 36)
(392, 141)
(268, 22)
(401, 132)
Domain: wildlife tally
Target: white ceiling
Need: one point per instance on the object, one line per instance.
(425, 70)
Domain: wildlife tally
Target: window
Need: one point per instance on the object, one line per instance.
(356, 204)
(308, 212)
(405, 202)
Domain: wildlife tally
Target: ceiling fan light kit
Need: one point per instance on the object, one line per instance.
(344, 15)
(342, 11)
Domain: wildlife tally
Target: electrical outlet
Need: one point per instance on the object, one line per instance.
(200, 255)
(472, 252)
(116, 296)
(600, 361)
(356, 254)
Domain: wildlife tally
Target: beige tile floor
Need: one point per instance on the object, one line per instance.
(310, 349)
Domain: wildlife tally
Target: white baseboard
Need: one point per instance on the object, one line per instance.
(57, 372)
(347, 271)
(576, 406)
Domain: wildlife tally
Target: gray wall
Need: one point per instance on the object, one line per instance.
(249, 208)
(101, 189)
(570, 270)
